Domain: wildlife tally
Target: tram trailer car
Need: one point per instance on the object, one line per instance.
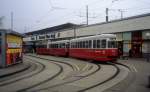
(99, 48)
(57, 48)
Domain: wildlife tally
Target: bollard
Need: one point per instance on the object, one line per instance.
(149, 81)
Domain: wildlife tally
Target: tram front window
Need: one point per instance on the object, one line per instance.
(112, 44)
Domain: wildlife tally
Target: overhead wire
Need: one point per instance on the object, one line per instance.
(90, 4)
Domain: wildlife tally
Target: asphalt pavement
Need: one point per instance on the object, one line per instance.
(4, 72)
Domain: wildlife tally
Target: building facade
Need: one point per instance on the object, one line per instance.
(133, 33)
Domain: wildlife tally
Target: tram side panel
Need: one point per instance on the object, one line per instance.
(59, 49)
(81, 53)
(14, 49)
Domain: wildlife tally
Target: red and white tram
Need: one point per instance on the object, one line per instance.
(100, 47)
(58, 48)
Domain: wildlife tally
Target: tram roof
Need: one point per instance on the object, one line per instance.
(53, 29)
(62, 41)
(96, 36)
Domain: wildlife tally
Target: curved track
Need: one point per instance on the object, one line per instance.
(63, 81)
(61, 75)
(34, 69)
(85, 76)
(26, 81)
(104, 81)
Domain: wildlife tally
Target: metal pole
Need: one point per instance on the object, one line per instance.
(107, 14)
(11, 20)
(121, 13)
(74, 29)
(87, 15)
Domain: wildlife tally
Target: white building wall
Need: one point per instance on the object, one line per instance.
(131, 24)
(65, 34)
(116, 26)
(27, 39)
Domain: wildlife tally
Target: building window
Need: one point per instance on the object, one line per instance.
(58, 35)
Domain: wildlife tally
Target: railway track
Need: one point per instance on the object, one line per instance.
(68, 78)
(73, 79)
(34, 69)
(27, 81)
(54, 87)
(104, 81)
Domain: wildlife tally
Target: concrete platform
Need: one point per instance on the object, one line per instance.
(11, 70)
(137, 81)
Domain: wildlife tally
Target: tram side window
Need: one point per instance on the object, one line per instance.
(90, 43)
(80, 44)
(94, 43)
(83, 44)
(56, 45)
(64, 45)
(112, 44)
(52, 45)
(59, 45)
(103, 44)
(87, 44)
(71, 45)
(75, 44)
(98, 43)
(49, 46)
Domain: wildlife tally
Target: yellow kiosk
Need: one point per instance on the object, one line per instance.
(10, 48)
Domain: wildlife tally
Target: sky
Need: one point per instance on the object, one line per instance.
(32, 15)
